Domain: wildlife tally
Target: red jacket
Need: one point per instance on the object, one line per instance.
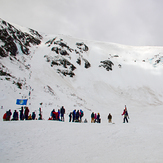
(4, 116)
(124, 112)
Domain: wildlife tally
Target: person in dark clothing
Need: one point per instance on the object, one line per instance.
(40, 114)
(26, 113)
(74, 115)
(70, 116)
(53, 114)
(33, 116)
(92, 117)
(77, 116)
(109, 118)
(8, 115)
(62, 113)
(98, 118)
(15, 116)
(21, 113)
(59, 114)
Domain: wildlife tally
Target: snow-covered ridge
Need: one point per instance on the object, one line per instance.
(61, 70)
(13, 39)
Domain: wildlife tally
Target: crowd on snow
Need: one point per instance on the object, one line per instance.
(74, 116)
(24, 115)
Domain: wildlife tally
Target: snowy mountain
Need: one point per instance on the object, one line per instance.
(56, 70)
(60, 70)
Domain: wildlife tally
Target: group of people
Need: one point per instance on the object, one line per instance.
(76, 116)
(95, 118)
(24, 115)
(59, 115)
(124, 114)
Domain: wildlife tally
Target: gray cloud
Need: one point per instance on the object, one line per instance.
(121, 21)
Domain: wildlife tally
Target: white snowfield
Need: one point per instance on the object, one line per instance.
(137, 84)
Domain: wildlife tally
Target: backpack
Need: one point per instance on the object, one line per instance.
(81, 113)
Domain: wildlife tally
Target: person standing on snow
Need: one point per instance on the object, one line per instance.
(8, 115)
(15, 116)
(92, 117)
(125, 114)
(95, 117)
(74, 115)
(62, 113)
(110, 118)
(81, 115)
(70, 116)
(98, 118)
(21, 113)
(33, 115)
(26, 113)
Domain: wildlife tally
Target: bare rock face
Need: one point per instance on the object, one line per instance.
(62, 58)
(12, 39)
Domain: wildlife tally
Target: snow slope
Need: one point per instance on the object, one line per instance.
(135, 80)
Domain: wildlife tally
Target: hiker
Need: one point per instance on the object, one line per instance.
(81, 114)
(125, 114)
(4, 116)
(70, 116)
(95, 117)
(92, 117)
(77, 116)
(40, 114)
(98, 118)
(8, 115)
(21, 113)
(74, 115)
(15, 116)
(62, 113)
(33, 115)
(40, 117)
(26, 113)
(59, 114)
(110, 118)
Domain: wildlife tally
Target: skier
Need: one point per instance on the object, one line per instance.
(125, 114)
(110, 118)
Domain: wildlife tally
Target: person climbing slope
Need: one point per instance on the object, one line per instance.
(125, 114)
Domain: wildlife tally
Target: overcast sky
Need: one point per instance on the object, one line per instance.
(129, 22)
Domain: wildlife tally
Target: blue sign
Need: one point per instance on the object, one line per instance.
(21, 101)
